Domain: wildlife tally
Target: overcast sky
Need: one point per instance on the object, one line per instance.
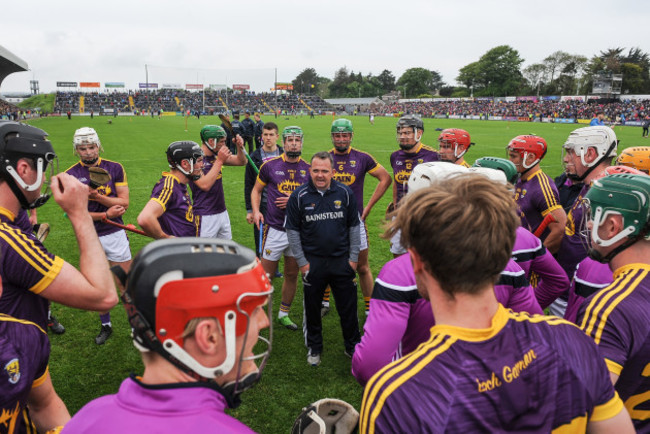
(242, 42)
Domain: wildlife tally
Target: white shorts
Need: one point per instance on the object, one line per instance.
(363, 232)
(116, 246)
(216, 226)
(395, 245)
(276, 244)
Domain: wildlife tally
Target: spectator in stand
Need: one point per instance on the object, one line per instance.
(598, 119)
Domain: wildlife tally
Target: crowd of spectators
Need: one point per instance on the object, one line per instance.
(10, 111)
(208, 101)
(614, 111)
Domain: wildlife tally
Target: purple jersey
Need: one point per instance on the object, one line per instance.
(532, 256)
(24, 354)
(536, 197)
(178, 218)
(400, 319)
(574, 245)
(22, 221)
(169, 408)
(523, 374)
(27, 268)
(403, 163)
(281, 178)
(212, 201)
(617, 319)
(590, 277)
(351, 168)
(118, 179)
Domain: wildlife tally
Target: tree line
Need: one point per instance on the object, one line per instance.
(498, 72)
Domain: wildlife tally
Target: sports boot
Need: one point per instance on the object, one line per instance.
(104, 334)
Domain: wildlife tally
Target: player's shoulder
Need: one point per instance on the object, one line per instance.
(627, 296)
(74, 167)
(428, 149)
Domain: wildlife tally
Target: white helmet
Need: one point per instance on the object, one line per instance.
(426, 174)
(86, 136)
(601, 138)
(491, 174)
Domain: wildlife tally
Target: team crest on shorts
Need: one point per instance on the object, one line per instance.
(267, 251)
(13, 371)
(337, 204)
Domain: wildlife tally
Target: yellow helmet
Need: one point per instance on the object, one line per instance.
(637, 157)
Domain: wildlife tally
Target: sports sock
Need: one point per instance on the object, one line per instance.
(367, 301)
(326, 296)
(284, 309)
(49, 314)
(105, 318)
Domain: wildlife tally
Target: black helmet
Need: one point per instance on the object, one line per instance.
(19, 141)
(410, 121)
(184, 150)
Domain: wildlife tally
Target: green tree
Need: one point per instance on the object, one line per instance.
(338, 86)
(304, 81)
(387, 81)
(416, 81)
(496, 73)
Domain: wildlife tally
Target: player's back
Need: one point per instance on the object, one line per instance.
(524, 374)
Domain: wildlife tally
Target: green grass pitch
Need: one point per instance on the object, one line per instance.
(82, 371)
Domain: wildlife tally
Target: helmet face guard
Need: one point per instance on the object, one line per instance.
(292, 131)
(21, 141)
(177, 280)
(458, 139)
(212, 132)
(86, 136)
(528, 145)
(413, 122)
(602, 139)
(342, 128)
(619, 194)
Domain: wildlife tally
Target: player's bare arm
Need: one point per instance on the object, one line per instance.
(240, 158)
(554, 238)
(148, 220)
(206, 181)
(92, 286)
(621, 423)
(384, 182)
(46, 408)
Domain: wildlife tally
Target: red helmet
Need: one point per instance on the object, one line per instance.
(458, 138)
(528, 144)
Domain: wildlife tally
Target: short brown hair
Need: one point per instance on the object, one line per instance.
(463, 228)
(323, 155)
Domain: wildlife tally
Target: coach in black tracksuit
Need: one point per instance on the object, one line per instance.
(323, 228)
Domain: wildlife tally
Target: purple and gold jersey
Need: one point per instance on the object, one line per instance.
(590, 277)
(178, 218)
(212, 201)
(281, 178)
(118, 179)
(27, 268)
(400, 319)
(536, 197)
(617, 320)
(24, 355)
(574, 245)
(523, 374)
(351, 168)
(403, 163)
